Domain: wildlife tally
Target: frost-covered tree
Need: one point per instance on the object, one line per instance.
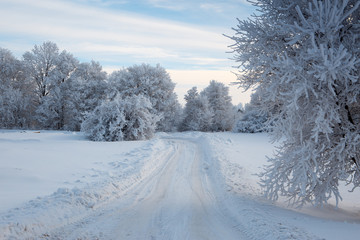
(222, 110)
(14, 108)
(128, 118)
(15, 93)
(40, 62)
(153, 83)
(87, 89)
(49, 71)
(197, 114)
(304, 57)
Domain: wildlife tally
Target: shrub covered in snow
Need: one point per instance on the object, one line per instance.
(252, 121)
(128, 118)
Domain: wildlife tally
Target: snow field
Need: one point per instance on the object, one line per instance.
(62, 176)
(240, 158)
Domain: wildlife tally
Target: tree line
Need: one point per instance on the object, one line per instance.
(51, 89)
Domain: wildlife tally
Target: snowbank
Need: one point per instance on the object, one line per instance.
(49, 177)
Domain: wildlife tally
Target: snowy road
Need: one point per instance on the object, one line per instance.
(177, 201)
(176, 186)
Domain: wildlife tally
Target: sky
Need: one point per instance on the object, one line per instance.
(186, 37)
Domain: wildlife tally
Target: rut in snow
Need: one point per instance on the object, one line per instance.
(175, 202)
(180, 193)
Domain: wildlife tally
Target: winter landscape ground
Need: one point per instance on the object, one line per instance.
(59, 185)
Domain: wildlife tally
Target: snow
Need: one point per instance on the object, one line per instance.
(59, 185)
(37, 163)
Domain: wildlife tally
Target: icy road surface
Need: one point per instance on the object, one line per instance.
(178, 186)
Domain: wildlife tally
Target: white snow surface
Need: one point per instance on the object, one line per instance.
(59, 185)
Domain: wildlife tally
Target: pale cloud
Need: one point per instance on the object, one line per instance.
(66, 22)
(121, 39)
(212, 7)
(105, 3)
(166, 4)
(137, 51)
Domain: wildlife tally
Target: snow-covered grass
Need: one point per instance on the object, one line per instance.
(37, 163)
(49, 179)
(242, 157)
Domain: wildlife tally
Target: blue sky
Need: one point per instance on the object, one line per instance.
(183, 36)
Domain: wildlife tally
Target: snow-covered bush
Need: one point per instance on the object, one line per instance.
(252, 121)
(140, 121)
(304, 57)
(153, 83)
(105, 123)
(120, 119)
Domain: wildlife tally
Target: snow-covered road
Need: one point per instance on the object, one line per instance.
(176, 201)
(177, 186)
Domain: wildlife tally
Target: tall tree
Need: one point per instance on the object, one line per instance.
(15, 93)
(220, 106)
(304, 57)
(197, 114)
(153, 83)
(40, 62)
(87, 88)
(49, 71)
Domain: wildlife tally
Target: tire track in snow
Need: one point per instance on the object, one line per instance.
(175, 203)
(183, 195)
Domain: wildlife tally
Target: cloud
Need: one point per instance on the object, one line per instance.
(136, 51)
(170, 5)
(97, 29)
(212, 7)
(105, 3)
(101, 30)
